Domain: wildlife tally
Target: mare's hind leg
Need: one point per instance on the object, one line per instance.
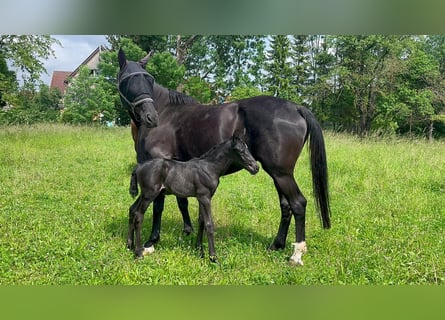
(183, 207)
(296, 203)
(286, 216)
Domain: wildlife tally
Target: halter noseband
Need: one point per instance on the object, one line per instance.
(137, 102)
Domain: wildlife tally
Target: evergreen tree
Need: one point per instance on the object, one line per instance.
(279, 68)
(301, 65)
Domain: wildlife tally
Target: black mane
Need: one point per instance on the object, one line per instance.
(180, 98)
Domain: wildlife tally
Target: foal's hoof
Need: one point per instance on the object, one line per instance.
(214, 260)
(187, 231)
(275, 246)
(148, 251)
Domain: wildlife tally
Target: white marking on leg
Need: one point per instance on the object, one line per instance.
(299, 249)
(148, 251)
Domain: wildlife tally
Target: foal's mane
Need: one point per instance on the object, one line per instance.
(213, 149)
(177, 98)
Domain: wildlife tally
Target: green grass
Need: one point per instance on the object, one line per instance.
(64, 203)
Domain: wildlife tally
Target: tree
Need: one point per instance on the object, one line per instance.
(301, 65)
(166, 70)
(360, 68)
(86, 100)
(26, 52)
(279, 68)
(8, 83)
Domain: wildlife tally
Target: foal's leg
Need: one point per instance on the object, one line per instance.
(200, 232)
(133, 183)
(296, 202)
(158, 207)
(142, 206)
(205, 211)
(183, 207)
(131, 224)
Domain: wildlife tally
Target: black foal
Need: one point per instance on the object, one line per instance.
(198, 177)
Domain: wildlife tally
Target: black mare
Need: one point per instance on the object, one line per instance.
(198, 177)
(172, 125)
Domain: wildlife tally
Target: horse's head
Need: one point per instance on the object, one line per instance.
(135, 87)
(242, 154)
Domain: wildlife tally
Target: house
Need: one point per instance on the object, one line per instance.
(60, 79)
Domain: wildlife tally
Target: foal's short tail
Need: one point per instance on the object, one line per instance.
(319, 166)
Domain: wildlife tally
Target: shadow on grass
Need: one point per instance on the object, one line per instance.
(172, 234)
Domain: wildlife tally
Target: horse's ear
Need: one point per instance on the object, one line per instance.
(143, 62)
(121, 57)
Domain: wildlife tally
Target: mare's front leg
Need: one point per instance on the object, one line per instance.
(183, 207)
(206, 220)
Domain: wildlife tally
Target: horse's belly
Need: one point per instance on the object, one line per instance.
(179, 186)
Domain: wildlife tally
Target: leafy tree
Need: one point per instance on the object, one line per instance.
(8, 83)
(26, 52)
(360, 68)
(243, 92)
(166, 70)
(199, 89)
(32, 107)
(321, 88)
(86, 100)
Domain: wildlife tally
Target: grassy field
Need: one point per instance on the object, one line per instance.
(64, 202)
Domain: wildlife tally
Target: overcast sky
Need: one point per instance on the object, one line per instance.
(73, 51)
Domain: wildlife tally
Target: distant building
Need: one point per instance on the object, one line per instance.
(60, 79)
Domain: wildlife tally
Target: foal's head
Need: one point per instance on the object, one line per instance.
(240, 154)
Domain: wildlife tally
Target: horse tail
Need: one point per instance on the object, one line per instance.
(319, 166)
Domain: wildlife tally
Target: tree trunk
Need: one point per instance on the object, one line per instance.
(182, 47)
(430, 131)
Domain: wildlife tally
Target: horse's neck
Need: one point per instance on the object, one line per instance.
(218, 160)
(160, 96)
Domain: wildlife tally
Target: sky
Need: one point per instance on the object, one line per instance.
(74, 49)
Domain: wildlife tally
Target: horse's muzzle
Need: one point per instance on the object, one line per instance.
(253, 168)
(151, 120)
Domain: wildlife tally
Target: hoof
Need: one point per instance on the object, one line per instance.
(187, 231)
(148, 251)
(214, 260)
(299, 249)
(275, 247)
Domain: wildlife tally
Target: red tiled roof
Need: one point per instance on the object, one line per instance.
(58, 80)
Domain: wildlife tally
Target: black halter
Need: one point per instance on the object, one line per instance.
(145, 90)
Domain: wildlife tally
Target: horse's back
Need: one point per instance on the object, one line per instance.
(276, 130)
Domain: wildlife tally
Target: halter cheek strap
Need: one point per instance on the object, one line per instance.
(137, 102)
